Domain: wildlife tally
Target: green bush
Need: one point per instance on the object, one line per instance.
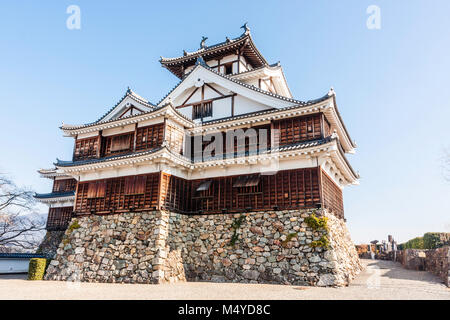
(316, 223)
(323, 242)
(416, 243)
(432, 240)
(288, 238)
(74, 225)
(36, 269)
(235, 226)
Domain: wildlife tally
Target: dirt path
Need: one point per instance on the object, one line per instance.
(380, 280)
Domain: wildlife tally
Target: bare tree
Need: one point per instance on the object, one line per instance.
(20, 227)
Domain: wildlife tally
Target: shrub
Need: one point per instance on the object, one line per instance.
(416, 243)
(74, 225)
(432, 240)
(288, 238)
(36, 268)
(323, 242)
(316, 223)
(235, 226)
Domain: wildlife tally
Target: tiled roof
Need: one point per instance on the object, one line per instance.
(211, 48)
(248, 86)
(156, 108)
(54, 195)
(296, 146)
(301, 145)
(20, 255)
(265, 112)
(61, 163)
(290, 147)
(128, 93)
(244, 41)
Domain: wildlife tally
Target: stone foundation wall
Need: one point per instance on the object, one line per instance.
(437, 261)
(50, 243)
(157, 247)
(414, 259)
(129, 248)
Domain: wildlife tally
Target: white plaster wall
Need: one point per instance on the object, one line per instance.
(235, 67)
(14, 265)
(243, 105)
(151, 122)
(229, 58)
(222, 108)
(88, 135)
(113, 131)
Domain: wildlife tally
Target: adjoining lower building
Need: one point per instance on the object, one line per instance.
(214, 182)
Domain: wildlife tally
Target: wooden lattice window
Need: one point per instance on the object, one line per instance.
(149, 137)
(202, 110)
(86, 148)
(58, 218)
(65, 185)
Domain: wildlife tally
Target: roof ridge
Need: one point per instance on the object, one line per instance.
(233, 80)
(54, 194)
(205, 49)
(275, 95)
(128, 93)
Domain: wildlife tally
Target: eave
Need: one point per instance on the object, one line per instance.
(314, 148)
(175, 65)
(51, 173)
(166, 110)
(128, 94)
(125, 160)
(245, 89)
(266, 71)
(55, 197)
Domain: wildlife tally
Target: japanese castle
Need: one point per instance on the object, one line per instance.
(228, 138)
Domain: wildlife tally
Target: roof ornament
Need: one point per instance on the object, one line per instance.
(227, 40)
(200, 61)
(334, 135)
(184, 53)
(246, 28)
(331, 92)
(129, 89)
(203, 42)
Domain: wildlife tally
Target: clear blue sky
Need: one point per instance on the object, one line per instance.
(392, 85)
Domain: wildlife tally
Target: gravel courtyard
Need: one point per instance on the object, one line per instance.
(380, 280)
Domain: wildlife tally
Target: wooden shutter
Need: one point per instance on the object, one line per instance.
(129, 185)
(135, 185)
(97, 189)
(92, 190)
(101, 189)
(139, 186)
(120, 143)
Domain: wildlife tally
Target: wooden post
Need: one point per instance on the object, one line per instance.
(99, 143)
(202, 103)
(135, 137)
(232, 106)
